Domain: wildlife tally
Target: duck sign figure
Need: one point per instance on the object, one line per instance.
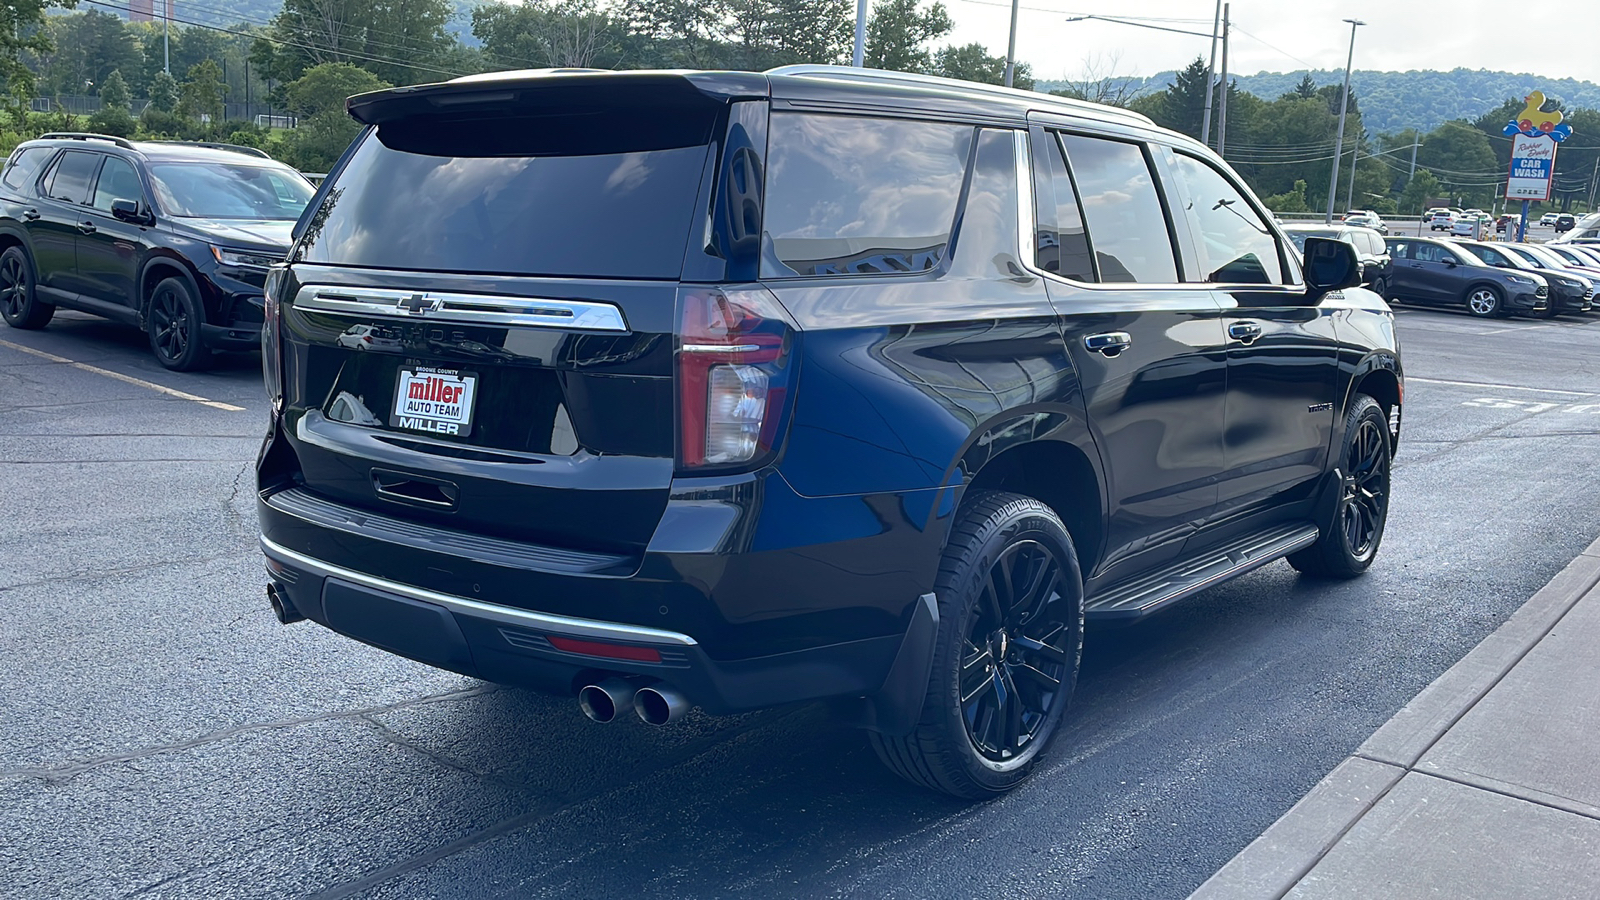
(1533, 121)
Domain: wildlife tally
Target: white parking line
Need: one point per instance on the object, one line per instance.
(1503, 387)
(160, 389)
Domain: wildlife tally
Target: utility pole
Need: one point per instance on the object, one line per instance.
(1593, 181)
(1414, 145)
(860, 57)
(1222, 113)
(1211, 77)
(1011, 47)
(1338, 143)
(166, 36)
(1355, 153)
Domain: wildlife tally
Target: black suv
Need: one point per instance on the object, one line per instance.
(732, 390)
(175, 238)
(1377, 268)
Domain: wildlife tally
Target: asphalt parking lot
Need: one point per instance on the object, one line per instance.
(163, 736)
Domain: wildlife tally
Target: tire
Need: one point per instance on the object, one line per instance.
(1380, 287)
(20, 305)
(1349, 540)
(984, 725)
(173, 323)
(1484, 301)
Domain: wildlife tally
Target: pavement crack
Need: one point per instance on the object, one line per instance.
(123, 570)
(58, 774)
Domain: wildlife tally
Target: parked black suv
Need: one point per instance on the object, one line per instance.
(1377, 268)
(1444, 273)
(172, 237)
(734, 390)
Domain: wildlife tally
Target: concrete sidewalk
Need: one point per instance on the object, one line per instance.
(1487, 785)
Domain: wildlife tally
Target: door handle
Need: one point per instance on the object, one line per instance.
(30, 214)
(87, 227)
(1109, 344)
(1244, 332)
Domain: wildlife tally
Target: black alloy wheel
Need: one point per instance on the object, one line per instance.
(1010, 597)
(19, 301)
(1349, 542)
(173, 321)
(1015, 655)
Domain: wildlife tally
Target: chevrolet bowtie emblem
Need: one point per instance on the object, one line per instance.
(418, 304)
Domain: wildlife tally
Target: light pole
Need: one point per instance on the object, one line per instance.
(858, 59)
(1211, 78)
(1344, 102)
(1011, 46)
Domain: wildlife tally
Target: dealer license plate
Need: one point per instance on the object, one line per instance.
(434, 400)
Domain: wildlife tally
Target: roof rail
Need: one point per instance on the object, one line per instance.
(124, 143)
(882, 76)
(216, 145)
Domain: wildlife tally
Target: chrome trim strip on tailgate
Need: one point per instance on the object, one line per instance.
(561, 625)
(470, 309)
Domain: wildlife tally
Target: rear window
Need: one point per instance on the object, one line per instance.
(526, 196)
(860, 195)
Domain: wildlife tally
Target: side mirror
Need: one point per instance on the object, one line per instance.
(1330, 266)
(129, 211)
(1449, 262)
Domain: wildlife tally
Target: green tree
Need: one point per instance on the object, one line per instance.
(22, 30)
(566, 33)
(325, 87)
(1291, 201)
(324, 131)
(972, 62)
(202, 91)
(1423, 187)
(397, 40)
(163, 92)
(1307, 88)
(113, 116)
(1460, 157)
(89, 46)
(898, 33)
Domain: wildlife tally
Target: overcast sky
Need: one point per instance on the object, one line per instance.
(1285, 35)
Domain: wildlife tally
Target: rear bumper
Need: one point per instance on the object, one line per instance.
(512, 645)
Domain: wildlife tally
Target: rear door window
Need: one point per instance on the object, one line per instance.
(1061, 245)
(72, 177)
(1127, 223)
(859, 195)
(598, 195)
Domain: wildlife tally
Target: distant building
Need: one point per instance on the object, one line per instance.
(145, 10)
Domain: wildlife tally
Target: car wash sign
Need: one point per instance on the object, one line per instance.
(1534, 135)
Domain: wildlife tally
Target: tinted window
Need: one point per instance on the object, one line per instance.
(118, 181)
(1127, 224)
(1299, 237)
(848, 194)
(506, 198)
(1491, 256)
(987, 245)
(1061, 246)
(1529, 258)
(228, 191)
(25, 165)
(72, 176)
(1235, 244)
(1399, 249)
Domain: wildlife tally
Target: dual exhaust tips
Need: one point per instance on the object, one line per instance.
(654, 704)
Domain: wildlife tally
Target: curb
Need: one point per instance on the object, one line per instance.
(1277, 860)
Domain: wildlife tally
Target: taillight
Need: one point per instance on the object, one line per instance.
(271, 344)
(734, 371)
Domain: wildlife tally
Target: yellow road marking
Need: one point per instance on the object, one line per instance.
(160, 389)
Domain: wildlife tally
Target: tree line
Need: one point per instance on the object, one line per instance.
(308, 56)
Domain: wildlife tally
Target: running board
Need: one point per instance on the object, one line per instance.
(1139, 598)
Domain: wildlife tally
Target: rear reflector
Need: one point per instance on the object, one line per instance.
(609, 651)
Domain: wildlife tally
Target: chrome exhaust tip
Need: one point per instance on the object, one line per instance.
(282, 608)
(659, 705)
(601, 702)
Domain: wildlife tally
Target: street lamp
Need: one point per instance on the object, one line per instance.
(1344, 102)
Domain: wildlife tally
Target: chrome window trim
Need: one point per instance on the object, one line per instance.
(468, 309)
(510, 615)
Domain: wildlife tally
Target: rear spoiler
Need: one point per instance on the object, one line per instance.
(554, 89)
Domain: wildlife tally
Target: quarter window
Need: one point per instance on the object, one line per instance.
(1234, 242)
(25, 165)
(72, 177)
(1127, 224)
(855, 195)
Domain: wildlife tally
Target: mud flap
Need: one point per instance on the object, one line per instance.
(897, 706)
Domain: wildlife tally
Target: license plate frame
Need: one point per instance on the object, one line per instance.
(433, 400)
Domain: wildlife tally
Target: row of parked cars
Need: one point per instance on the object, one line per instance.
(1489, 279)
